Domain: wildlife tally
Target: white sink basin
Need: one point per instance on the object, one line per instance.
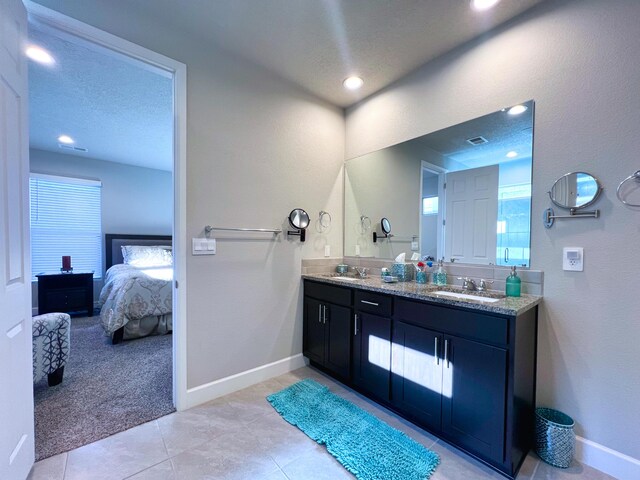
(464, 296)
(348, 279)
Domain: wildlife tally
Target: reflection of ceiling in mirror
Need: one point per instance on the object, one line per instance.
(504, 133)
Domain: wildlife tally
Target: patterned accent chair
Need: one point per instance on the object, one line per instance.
(51, 344)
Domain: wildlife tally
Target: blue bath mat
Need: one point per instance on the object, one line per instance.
(365, 445)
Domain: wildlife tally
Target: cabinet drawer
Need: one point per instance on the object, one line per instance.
(64, 298)
(478, 326)
(328, 293)
(373, 303)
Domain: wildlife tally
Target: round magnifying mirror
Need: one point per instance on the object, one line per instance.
(299, 219)
(575, 190)
(385, 224)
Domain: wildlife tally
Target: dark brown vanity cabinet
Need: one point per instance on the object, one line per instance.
(372, 343)
(327, 329)
(466, 375)
(448, 382)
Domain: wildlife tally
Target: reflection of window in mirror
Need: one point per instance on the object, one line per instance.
(514, 223)
(430, 206)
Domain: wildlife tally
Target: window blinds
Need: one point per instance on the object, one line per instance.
(65, 220)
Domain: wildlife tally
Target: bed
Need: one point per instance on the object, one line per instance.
(136, 300)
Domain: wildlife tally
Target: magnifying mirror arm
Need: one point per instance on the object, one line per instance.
(549, 215)
(377, 236)
(302, 233)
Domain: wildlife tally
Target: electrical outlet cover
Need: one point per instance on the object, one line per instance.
(573, 259)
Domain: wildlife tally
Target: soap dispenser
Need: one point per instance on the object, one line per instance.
(440, 275)
(514, 284)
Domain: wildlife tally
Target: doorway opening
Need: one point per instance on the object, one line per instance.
(432, 206)
(107, 189)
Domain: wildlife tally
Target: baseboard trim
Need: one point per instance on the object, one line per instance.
(606, 460)
(209, 391)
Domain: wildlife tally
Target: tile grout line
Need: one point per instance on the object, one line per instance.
(535, 470)
(146, 468)
(161, 461)
(66, 461)
(164, 444)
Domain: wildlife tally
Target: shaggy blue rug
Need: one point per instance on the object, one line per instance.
(365, 445)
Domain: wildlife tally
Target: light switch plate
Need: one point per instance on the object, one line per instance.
(203, 246)
(357, 250)
(573, 259)
(327, 250)
(414, 246)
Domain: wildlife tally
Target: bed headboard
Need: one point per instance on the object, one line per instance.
(114, 241)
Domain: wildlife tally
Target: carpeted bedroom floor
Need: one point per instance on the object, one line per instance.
(106, 389)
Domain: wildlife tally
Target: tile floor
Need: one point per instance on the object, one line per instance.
(240, 436)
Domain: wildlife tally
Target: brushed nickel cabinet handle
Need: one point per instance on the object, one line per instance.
(370, 303)
(435, 350)
(324, 314)
(446, 352)
(320, 313)
(355, 325)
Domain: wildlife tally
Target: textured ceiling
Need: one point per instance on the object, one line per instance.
(317, 43)
(117, 108)
(121, 111)
(503, 132)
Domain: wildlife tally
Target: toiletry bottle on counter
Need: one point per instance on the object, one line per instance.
(440, 275)
(514, 284)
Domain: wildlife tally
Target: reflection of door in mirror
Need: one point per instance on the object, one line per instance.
(566, 190)
(472, 207)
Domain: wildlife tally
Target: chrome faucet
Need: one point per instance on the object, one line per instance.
(484, 285)
(362, 271)
(468, 284)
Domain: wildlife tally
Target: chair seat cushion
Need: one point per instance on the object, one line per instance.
(51, 343)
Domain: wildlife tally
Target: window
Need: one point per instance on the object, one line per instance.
(430, 206)
(65, 220)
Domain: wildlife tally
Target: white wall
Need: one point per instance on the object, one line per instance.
(579, 61)
(257, 147)
(135, 200)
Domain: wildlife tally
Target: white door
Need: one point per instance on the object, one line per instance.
(16, 390)
(472, 215)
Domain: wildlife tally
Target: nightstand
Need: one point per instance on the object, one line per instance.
(65, 292)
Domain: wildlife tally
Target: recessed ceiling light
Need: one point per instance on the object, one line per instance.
(39, 55)
(353, 83)
(483, 4)
(512, 154)
(65, 139)
(517, 110)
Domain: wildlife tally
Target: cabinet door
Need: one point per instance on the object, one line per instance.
(372, 354)
(313, 338)
(337, 339)
(473, 396)
(416, 373)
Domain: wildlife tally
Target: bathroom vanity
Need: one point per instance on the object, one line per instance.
(462, 369)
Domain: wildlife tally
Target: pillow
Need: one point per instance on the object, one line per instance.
(147, 256)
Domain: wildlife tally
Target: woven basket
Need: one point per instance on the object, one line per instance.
(555, 439)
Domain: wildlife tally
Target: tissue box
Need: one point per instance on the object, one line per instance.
(403, 271)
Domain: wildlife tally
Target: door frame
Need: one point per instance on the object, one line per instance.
(47, 18)
(442, 178)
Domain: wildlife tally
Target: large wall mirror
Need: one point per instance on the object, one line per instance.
(462, 193)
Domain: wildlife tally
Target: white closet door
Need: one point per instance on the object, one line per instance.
(472, 215)
(16, 390)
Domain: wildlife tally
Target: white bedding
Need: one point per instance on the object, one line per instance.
(133, 293)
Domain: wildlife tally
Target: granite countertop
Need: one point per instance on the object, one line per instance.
(504, 306)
